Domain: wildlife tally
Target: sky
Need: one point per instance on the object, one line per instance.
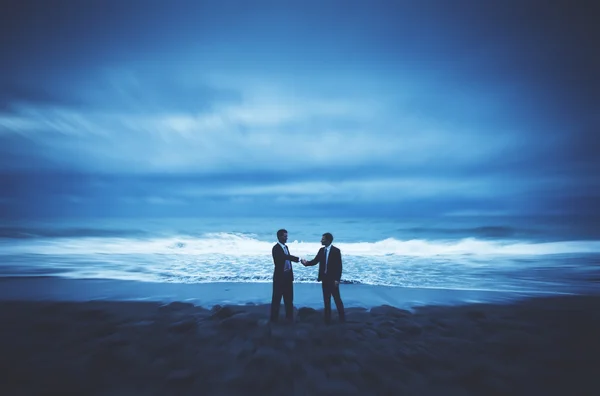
(309, 108)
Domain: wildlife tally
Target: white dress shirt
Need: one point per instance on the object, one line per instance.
(288, 264)
(327, 249)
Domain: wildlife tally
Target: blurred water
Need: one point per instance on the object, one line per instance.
(468, 254)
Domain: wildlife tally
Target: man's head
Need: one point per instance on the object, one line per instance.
(326, 239)
(282, 235)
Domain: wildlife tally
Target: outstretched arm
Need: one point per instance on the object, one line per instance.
(313, 261)
(279, 256)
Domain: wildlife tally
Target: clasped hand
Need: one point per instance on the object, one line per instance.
(304, 261)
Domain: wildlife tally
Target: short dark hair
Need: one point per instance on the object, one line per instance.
(328, 236)
(281, 232)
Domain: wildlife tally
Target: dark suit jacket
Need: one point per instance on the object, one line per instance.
(334, 264)
(279, 258)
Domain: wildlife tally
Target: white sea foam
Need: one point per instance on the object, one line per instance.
(232, 245)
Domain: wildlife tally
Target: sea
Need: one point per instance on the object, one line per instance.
(495, 253)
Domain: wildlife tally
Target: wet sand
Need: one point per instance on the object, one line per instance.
(239, 293)
(545, 346)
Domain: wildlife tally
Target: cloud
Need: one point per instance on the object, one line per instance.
(364, 190)
(260, 132)
(130, 90)
(432, 106)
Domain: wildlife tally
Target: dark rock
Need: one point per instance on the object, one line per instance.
(206, 333)
(268, 360)
(289, 344)
(183, 375)
(353, 326)
(183, 326)
(410, 328)
(357, 316)
(143, 323)
(305, 312)
(301, 334)
(50, 326)
(254, 381)
(218, 312)
(337, 387)
(240, 347)
(389, 311)
(385, 323)
(476, 315)
(115, 339)
(91, 314)
(176, 306)
(102, 330)
(242, 320)
(328, 357)
(369, 333)
(314, 375)
(352, 336)
(355, 310)
(349, 355)
(279, 331)
(159, 363)
(385, 333)
(260, 333)
(350, 368)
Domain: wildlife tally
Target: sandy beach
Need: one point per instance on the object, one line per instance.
(542, 345)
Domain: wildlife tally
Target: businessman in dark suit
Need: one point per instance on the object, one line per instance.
(330, 272)
(283, 278)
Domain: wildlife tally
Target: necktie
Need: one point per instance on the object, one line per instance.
(288, 265)
(325, 251)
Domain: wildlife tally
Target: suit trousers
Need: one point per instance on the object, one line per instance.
(283, 286)
(329, 290)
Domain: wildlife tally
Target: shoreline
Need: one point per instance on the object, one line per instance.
(239, 293)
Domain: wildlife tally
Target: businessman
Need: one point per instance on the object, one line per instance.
(283, 278)
(330, 272)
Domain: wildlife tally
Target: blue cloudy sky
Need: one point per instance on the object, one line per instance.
(310, 107)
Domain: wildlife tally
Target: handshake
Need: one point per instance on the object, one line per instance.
(303, 261)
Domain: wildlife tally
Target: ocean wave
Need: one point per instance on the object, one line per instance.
(238, 244)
